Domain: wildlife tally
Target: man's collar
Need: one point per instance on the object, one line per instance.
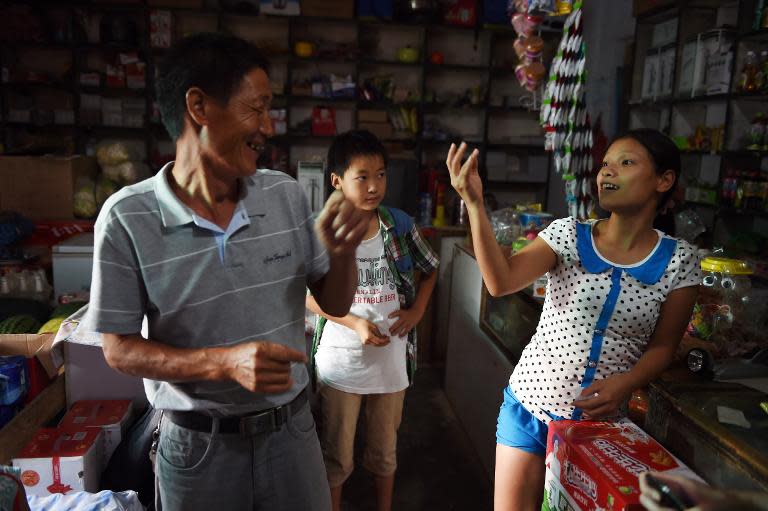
(175, 213)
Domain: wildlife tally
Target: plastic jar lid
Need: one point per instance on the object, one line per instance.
(725, 265)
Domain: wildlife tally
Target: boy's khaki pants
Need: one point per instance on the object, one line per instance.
(340, 411)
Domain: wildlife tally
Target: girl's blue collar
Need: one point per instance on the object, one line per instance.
(650, 272)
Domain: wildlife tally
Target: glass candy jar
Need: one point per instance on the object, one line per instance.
(723, 299)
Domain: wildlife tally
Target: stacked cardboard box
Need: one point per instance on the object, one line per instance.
(375, 121)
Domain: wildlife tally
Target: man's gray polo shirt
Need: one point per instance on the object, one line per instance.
(151, 258)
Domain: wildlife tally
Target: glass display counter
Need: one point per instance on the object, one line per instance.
(510, 321)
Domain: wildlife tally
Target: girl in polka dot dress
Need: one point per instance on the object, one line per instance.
(619, 296)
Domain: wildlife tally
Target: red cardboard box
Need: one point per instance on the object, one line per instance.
(111, 417)
(323, 121)
(52, 232)
(595, 465)
(58, 461)
(461, 12)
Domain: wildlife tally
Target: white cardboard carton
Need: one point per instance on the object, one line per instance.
(59, 461)
(112, 417)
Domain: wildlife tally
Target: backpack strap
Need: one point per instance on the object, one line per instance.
(403, 221)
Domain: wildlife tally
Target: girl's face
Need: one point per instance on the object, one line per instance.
(628, 181)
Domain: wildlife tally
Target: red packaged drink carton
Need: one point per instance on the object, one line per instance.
(595, 466)
(58, 461)
(110, 416)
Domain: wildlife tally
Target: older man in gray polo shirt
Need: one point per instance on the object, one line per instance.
(217, 255)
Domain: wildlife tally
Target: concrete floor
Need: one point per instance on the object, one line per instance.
(437, 467)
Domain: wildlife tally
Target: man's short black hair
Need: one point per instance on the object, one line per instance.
(349, 145)
(214, 62)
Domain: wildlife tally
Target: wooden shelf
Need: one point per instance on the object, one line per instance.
(508, 109)
(54, 84)
(104, 89)
(372, 105)
(748, 96)
(62, 46)
(701, 98)
(299, 137)
(456, 67)
(742, 212)
(390, 63)
(322, 60)
(755, 34)
(432, 108)
(516, 146)
(702, 204)
(315, 99)
(700, 152)
(664, 102)
(38, 126)
(514, 184)
(112, 47)
(747, 153)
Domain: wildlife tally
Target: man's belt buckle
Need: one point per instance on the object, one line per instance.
(267, 421)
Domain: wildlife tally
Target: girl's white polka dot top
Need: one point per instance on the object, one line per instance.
(597, 318)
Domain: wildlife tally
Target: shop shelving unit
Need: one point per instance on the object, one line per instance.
(733, 109)
(488, 70)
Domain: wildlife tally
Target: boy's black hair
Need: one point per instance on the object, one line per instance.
(214, 62)
(349, 145)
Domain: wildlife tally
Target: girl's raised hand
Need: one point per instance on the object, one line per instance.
(465, 178)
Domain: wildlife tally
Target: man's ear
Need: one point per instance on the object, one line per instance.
(335, 181)
(197, 102)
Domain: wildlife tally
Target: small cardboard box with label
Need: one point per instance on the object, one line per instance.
(59, 461)
(112, 417)
(595, 465)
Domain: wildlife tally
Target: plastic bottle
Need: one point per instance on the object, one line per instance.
(764, 69)
(425, 209)
(748, 82)
(41, 290)
(726, 193)
(5, 286)
(19, 284)
(439, 220)
(757, 132)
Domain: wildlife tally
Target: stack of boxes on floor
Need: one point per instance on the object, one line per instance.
(72, 456)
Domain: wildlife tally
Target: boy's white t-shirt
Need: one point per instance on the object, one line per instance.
(342, 361)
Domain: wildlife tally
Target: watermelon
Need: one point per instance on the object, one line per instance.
(51, 326)
(21, 324)
(18, 306)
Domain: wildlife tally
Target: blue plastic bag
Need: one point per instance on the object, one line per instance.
(14, 381)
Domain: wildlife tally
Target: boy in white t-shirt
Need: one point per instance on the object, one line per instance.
(370, 354)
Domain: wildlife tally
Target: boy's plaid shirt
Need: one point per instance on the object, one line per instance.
(405, 253)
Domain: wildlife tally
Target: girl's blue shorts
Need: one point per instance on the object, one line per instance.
(517, 427)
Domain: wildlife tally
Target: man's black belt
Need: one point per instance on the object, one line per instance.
(266, 421)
